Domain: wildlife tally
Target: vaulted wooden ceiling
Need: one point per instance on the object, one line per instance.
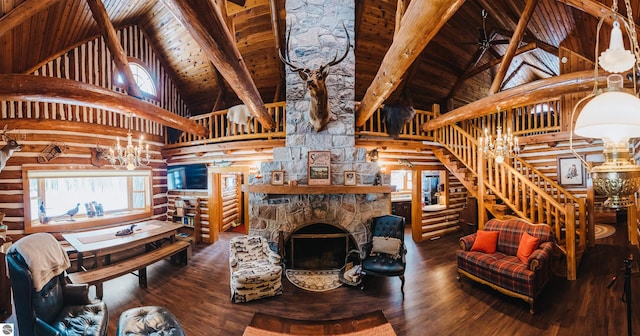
(454, 69)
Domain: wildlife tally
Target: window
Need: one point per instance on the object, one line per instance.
(402, 179)
(60, 200)
(142, 77)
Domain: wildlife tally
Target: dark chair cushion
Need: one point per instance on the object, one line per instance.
(383, 264)
(150, 320)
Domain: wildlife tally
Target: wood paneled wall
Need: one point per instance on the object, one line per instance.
(90, 63)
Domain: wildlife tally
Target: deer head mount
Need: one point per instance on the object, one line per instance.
(319, 113)
(8, 149)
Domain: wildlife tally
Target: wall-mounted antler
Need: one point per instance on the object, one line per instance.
(319, 113)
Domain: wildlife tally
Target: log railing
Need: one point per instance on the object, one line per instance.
(535, 118)
(522, 195)
(375, 126)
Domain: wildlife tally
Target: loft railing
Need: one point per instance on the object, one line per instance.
(222, 130)
(535, 118)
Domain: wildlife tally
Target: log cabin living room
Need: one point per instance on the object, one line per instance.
(325, 167)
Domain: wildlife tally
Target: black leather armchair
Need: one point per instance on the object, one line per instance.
(57, 309)
(383, 264)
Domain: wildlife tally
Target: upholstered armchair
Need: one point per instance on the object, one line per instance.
(385, 254)
(256, 271)
(45, 304)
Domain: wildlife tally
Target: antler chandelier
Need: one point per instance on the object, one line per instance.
(130, 157)
(504, 145)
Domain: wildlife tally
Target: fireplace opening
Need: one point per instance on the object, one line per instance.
(318, 247)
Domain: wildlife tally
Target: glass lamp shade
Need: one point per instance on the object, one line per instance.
(616, 59)
(612, 116)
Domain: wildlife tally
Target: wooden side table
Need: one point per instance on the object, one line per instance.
(5, 285)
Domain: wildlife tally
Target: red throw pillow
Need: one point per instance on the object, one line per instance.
(486, 241)
(528, 244)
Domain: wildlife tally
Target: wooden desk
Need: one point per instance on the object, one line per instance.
(104, 242)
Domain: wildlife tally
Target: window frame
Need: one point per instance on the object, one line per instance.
(32, 225)
(154, 80)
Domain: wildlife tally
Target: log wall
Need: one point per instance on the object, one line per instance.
(36, 125)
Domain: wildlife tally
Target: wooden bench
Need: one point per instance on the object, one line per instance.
(180, 250)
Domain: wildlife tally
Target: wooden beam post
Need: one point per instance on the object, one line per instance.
(523, 94)
(204, 22)
(420, 23)
(401, 6)
(113, 43)
(513, 45)
(22, 12)
(275, 26)
(416, 205)
(45, 89)
(482, 211)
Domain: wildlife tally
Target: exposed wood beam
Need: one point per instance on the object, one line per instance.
(204, 22)
(22, 12)
(592, 8)
(401, 6)
(513, 45)
(358, 18)
(275, 27)
(113, 43)
(513, 74)
(544, 71)
(65, 91)
(420, 23)
(520, 95)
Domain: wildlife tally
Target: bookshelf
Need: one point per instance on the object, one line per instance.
(187, 212)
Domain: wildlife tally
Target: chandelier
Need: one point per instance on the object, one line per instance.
(504, 145)
(130, 157)
(613, 115)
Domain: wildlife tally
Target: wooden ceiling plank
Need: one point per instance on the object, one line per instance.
(22, 12)
(421, 22)
(113, 43)
(513, 46)
(521, 95)
(67, 91)
(205, 23)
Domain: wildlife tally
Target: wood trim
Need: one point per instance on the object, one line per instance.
(66, 91)
(420, 23)
(205, 23)
(305, 189)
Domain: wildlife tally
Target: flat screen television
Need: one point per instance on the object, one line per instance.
(191, 176)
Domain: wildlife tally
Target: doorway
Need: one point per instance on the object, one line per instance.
(228, 203)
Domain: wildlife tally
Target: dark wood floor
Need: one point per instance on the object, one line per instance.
(435, 303)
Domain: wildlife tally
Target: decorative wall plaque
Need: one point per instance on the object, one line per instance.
(319, 168)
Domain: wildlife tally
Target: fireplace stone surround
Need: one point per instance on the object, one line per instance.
(317, 35)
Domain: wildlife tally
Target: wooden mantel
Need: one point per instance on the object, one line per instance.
(307, 189)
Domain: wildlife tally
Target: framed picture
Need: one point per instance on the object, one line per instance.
(277, 177)
(349, 178)
(571, 172)
(319, 168)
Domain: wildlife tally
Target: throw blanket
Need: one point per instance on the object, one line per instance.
(44, 255)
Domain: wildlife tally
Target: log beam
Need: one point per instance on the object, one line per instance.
(520, 95)
(22, 12)
(113, 43)
(206, 25)
(67, 91)
(275, 27)
(513, 46)
(420, 23)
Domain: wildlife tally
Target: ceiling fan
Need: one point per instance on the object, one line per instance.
(486, 40)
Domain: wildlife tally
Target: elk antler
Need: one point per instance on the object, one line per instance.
(346, 51)
(287, 61)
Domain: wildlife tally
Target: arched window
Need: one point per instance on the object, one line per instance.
(142, 77)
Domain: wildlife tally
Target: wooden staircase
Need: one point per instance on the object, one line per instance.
(514, 188)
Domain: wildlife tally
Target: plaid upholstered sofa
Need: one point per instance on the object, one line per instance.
(503, 270)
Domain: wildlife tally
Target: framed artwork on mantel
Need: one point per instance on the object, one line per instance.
(319, 168)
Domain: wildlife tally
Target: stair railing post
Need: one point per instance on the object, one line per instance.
(481, 190)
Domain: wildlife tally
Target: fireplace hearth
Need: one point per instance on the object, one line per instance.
(318, 247)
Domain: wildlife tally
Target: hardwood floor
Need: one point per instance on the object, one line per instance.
(435, 303)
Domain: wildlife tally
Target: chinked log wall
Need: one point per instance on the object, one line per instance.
(82, 128)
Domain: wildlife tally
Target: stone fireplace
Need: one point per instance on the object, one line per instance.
(317, 36)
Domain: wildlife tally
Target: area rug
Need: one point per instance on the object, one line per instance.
(315, 281)
(369, 324)
(604, 230)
